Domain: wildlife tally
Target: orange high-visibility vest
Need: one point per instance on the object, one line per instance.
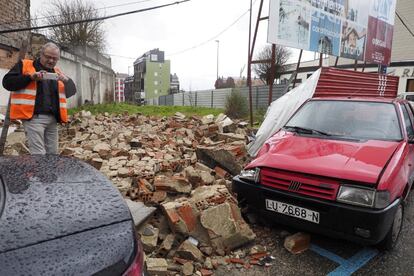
(22, 102)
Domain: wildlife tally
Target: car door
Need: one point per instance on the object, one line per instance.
(408, 116)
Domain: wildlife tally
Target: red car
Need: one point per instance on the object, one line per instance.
(341, 166)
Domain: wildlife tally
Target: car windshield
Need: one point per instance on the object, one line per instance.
(347, 119)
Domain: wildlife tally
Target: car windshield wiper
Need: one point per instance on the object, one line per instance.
(307, 130)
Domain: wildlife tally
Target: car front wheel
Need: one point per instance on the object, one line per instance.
(391, 238)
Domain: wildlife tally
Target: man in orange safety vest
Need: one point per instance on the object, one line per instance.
(38, 97)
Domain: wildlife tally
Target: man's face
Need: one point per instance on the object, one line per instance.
(49, 57)
(352, 40)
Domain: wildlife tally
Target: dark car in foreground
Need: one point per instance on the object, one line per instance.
(341, 166)
(60, 216)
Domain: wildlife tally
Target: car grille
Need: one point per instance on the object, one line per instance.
(313, 186)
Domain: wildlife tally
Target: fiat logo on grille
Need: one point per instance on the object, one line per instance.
(294, 186)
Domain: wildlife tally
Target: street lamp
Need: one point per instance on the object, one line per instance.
(218, 45)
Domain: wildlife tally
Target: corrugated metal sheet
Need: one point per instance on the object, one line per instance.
(336, 82)
(178, 99)
(219, 97)
(204, 98)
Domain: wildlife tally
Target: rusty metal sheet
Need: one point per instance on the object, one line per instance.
(335, 82)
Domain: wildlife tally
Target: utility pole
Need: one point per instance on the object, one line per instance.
(218, 46)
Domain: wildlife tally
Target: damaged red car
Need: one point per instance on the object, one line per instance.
(340, 166)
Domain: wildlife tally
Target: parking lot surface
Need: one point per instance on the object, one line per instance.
(333, 257)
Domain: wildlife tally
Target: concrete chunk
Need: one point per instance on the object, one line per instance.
(140, 213)
(157, 266)
(189, 251)
(149, 237)
(172, 184)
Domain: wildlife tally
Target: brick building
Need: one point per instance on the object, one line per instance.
(120, 87)
(13, 14)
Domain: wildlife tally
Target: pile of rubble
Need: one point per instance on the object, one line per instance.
(180, 168)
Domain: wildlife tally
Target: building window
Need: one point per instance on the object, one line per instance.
(154, 57)
(155, 82)
(160, 65)
(155, 74)
(410, 85)
(155, 91)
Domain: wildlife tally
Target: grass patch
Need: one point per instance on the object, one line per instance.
(147, 110)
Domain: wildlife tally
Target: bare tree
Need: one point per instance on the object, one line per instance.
(262, 70)
(89, 34)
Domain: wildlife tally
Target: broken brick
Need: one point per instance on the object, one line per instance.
(221, 172)
(206, 272)
(172, 184)
(235, 261)
(187, 214)
(297, 243)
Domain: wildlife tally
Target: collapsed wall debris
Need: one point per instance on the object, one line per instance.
(180, 168)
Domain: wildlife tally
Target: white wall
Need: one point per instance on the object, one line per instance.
(80, 71)
(4, 94)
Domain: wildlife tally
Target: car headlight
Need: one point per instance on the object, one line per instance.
(356, 196)
(251, 174)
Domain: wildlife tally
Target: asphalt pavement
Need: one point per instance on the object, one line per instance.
(333, 257)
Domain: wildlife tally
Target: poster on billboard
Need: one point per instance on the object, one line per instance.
(333, 7)
(354, 29)
(353, 41)
(293, 23)
(325, 33)
(380, 31)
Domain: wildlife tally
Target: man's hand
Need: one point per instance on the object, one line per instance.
(62, 77)
(37, 76)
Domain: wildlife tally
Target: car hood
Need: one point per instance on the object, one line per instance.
(361, 161)
(49, 197)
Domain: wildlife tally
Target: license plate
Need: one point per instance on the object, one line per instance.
(292, 210)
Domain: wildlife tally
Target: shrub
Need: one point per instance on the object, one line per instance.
(259, 115)
(236, 105)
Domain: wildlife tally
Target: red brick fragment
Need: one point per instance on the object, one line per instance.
(206, 272)
(235, 261)
(297, 243)
(186, 213)
(180, 260)
(259, 255)
(220, 172)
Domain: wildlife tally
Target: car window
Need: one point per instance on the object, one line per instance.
(350, 119)
(407, 121)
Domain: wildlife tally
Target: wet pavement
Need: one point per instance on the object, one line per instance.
(334, 257)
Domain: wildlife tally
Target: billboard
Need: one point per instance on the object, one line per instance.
(355, 29)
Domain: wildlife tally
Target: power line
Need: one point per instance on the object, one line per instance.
(91, 20)
(198, 45)
(113, 55)
(212, 38)
(56, 15)
(405, 25)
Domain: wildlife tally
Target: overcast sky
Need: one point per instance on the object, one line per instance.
(176, 29)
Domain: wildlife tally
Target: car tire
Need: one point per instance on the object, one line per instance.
(393, 234)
